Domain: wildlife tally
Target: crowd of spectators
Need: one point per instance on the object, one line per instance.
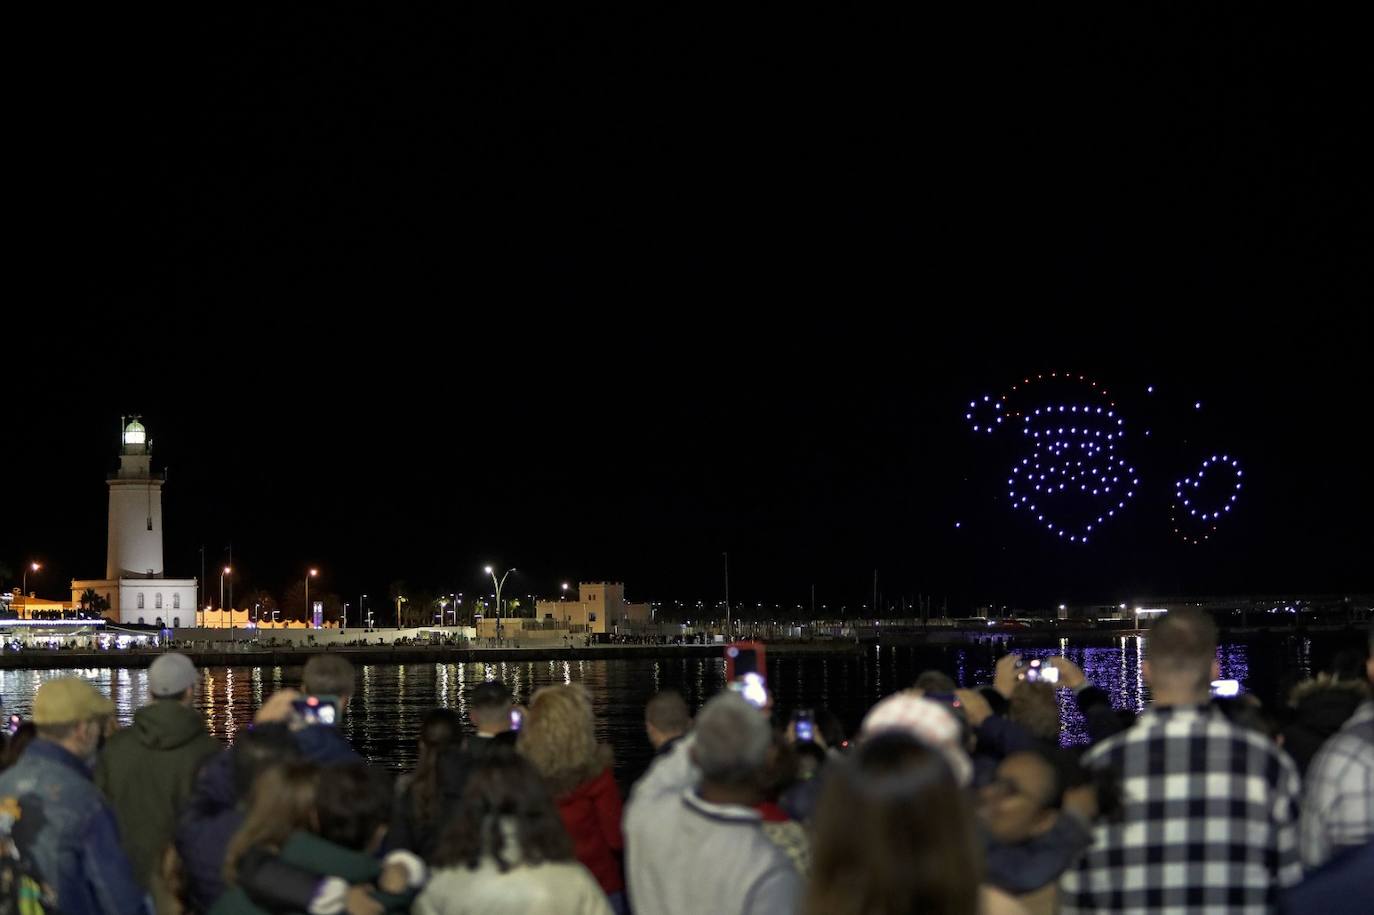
(946, 799)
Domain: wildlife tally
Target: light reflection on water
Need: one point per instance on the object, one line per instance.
(384, 716)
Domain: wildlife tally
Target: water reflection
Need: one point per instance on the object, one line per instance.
(383, 719)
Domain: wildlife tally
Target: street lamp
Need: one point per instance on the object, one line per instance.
(31, 567)
(400, 600)
(226, 571)
(313, 573)
(502, 581)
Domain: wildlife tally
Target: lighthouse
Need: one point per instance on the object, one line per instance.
(135, 589)
(134, 548)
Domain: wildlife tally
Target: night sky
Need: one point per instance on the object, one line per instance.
(602, 295)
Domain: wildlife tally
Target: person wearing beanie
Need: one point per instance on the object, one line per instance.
(147, 770)
(62, 825)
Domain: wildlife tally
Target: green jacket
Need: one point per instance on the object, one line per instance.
(293, 874)
(147, 771)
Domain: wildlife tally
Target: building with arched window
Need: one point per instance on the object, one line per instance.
(135, 585)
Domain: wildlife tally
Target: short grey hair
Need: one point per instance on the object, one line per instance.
(732, 740)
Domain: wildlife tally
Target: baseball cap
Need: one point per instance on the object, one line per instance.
(927, 721)
(171, 675)
(68, 700)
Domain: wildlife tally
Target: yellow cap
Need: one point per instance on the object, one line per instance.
(68, 700)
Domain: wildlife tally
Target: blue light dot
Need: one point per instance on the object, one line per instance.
(957, 523)
(1150, 389)
(1197, 405)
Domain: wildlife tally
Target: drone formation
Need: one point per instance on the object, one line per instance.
(1073, 476)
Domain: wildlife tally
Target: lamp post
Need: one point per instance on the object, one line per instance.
(313, 573)
(223, 573)
(399, 600)
(31, 567)
(362, 610)
(502, 581)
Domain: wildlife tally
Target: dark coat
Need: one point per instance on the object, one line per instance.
(147, 771)
(287, 881)
(208, 822)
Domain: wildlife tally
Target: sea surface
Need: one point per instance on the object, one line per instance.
(384, 717)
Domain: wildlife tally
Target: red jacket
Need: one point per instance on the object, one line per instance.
(591, 815)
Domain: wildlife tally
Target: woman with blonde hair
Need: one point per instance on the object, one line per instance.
(559, 739)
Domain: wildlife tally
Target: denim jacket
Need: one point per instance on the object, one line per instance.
(68, 833)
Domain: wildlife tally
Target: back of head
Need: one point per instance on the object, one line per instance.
(440, 727)
(559, 736)
(1182, 647)
(506, 812)
(258, 750)
(352, 803)
(935, 681)
(1035, 708)
(282, 801)
(894, 834)
(732, 739)
(327, 675)
(489, 705)
(667, 712)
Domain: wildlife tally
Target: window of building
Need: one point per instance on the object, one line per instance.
(176, 601)
(140, 602)
(176, 622)
(591, 617)
(157, 601)
(140, 619)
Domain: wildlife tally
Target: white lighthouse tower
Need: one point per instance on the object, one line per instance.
(135, 546)
(134, 586)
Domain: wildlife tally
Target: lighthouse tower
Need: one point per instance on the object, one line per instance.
(135, 590)
(135, 546)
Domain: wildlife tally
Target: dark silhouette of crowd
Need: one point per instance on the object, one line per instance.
(946, 799)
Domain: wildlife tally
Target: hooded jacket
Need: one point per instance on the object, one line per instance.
(147, 771)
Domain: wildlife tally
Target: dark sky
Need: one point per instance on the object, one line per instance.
(604, 295)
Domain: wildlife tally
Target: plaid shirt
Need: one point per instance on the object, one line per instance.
(1338, 807)
(1209, 820)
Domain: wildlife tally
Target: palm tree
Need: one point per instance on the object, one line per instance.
(94, 604)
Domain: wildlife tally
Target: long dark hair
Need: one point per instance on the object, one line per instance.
(504, 789)
(351, 805)
(282, 801)
(894, 835)
(441, 729)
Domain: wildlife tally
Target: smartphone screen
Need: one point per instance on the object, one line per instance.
(804, 726)
(1225, 689)
(517, 718)
(752, 687)
(316, 710)
(1034, 671)
(13, 725)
